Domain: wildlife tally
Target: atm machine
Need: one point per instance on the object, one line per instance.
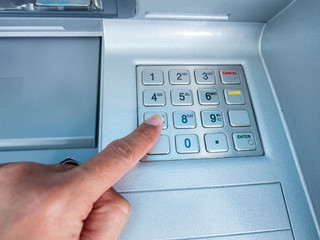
(237, 85)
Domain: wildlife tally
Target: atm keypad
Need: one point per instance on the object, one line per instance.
(207, 111)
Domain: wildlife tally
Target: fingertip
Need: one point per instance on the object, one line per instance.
(155, 120)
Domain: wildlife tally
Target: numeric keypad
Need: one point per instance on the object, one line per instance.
(207, 111)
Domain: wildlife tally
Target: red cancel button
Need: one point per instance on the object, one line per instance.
(229, 73)
(230, 76)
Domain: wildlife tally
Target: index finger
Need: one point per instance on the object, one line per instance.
(106, 168)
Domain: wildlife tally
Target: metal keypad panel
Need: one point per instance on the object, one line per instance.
(207, 111)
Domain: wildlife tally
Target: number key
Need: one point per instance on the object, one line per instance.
(163, 114)
(205, 76)
(184, 119)
(152, 77)
(208, 96)
(181, 97)
(212, 119)
(187, 143)
(154, 98)
(179, 76)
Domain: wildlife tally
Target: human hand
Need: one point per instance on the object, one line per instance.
(66, 202)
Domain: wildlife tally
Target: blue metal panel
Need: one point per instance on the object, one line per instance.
(291, 49)
(188, 43)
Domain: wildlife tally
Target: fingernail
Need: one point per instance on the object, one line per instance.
(155, 120)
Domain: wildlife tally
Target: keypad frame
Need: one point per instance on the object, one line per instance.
(227, 129)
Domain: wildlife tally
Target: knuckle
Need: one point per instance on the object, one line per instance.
(126, 208)
(122, 205)
(122, 149)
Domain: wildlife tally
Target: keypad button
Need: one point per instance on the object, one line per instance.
(244, 141)
(216, 142)
(181, 97)
(230, 77)
(208, 96)
(163, 114)
(212, 119)
(185, 119)
(179, 76)
(234, 96)
(239, 118)
(187, 143)
(152, 77)
(162, 146)
(154, 98)
(205, 76)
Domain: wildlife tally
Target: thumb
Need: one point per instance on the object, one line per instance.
(101, 172)
(107, 218)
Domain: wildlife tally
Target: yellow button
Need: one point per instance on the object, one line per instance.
(234, 92)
